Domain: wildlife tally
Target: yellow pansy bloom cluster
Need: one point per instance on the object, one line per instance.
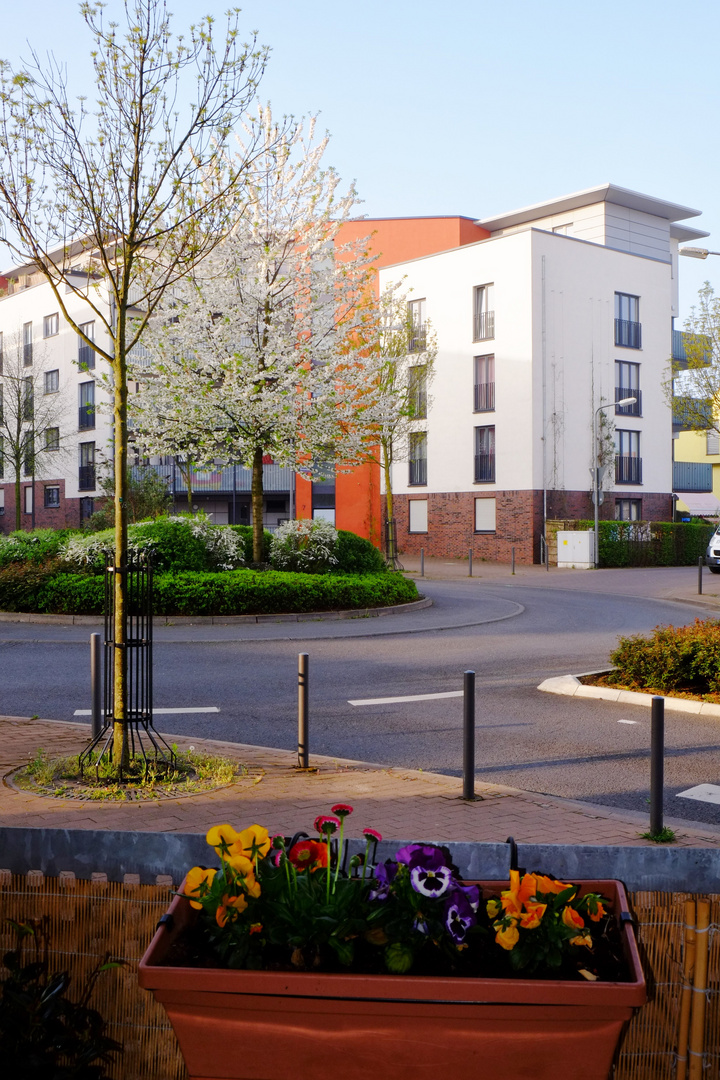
(239, 853)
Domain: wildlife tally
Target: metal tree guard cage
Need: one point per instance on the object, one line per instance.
(144, 741)
(391, 549)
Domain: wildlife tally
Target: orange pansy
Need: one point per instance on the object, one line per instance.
(572, 918)
(532, 916)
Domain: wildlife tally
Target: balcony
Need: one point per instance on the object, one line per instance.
(418, 405)
(628, 334)
(628, 469)
(699, 346)
(86, 357)
(628, 410)
(484, 397)
(86, 478)
(483, 325)
(418, 339)
(86, 417)
(418, 471)
(27, 354)
(484, 468)
(692, 476)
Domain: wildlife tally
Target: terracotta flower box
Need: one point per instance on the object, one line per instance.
(267, 1025)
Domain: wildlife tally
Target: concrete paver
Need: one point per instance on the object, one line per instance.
(401, 803)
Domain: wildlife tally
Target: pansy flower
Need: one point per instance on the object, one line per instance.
(459, 915)
(197, 883)
(532, 916)
(221, 837)
(430, 881)
(252, 842)
(507, 936)
(572, 918)
(384, 876)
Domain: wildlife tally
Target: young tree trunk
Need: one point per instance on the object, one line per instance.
(386, 450)
(18, 493)
(121, 753)
(257, 505)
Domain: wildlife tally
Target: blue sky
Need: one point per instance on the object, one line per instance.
(471, 108)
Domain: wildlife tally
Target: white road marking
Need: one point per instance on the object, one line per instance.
(156, 712)
(702, 792)
(627, 721)
(411, 697)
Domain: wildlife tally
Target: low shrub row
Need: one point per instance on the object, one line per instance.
(684, 658)
(646, 543)
(234, 592)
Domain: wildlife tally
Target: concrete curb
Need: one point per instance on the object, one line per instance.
(570, 686)
(223, 620)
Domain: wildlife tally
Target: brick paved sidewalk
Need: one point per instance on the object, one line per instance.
(401, 803)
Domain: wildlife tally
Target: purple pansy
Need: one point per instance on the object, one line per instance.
(459, 914)
(421, 855)
(384, 875)
(431, 882)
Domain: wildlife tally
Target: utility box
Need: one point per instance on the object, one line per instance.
(576, 550)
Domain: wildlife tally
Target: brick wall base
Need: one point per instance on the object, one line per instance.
(519, 521)
(64, 516)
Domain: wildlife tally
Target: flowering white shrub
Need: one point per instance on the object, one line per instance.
(224, 546)
(304, 546)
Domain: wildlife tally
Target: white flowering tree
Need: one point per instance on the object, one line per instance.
(262, 352)
(115, 197)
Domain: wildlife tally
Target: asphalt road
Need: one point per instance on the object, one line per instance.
(512, 636)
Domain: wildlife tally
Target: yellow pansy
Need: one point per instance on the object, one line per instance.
(222, 838)
(507, 936)
(252, 842)
(197, 883)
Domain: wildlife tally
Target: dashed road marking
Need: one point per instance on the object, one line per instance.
(709, 793)
(411, 697)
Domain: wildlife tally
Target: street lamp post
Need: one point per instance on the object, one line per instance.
(596, 468)
(697, 253)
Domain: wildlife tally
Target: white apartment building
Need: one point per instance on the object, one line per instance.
(565, 308)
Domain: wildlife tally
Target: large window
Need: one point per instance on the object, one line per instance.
(52, 438)
(485, 512)
(418, 458)
(52, 496)
(627, 384)
(416, 322)
(28, 498)
(417, 392)
(484, 383)
(86, 411)
(628, 331)
(483, 312)
(628, 463)
(86, 354)
(628, 509)
(418, 516)
(51, 325)
(27, 344)
(86, 476)
(484, 455)
(52, 381)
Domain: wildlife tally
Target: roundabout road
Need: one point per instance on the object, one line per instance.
(512, 635)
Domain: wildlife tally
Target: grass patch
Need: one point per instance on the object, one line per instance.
(192, 773)
(665, 836)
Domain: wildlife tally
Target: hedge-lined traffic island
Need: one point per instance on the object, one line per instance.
(199, 570)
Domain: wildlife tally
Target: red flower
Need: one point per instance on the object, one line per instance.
(326, 824)
(341, 809)
(308, 854)
(372, 834)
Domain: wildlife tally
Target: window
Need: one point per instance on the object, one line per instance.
(484, 455)
(485, 515)
(418, 516)
(418, 458)
(563, 230)
(86, 476)
(52, 381)
(712, 445)
(28, 500)
(50, 325)
(86, 411)
(627, 384)
(484, 383)
(28, 456)
(628, 509)
(52, 496)
(416, 325)
(52, 438)
(628, 463)
(86, 354)
(87, 509)
(628, 331)
(1, 402)
(1, 352)
(28, 400)
(2, 499)
(2, 458)
(27, 344)
(483, 312)
(417, 392)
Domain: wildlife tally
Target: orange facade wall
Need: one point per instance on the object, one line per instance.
(393, 240)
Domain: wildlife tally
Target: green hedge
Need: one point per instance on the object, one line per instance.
(685, 658)
(648, 543)
(232, 592)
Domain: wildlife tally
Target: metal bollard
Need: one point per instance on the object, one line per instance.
(470, 563)
(701, 562)
(469, 735)
(422, 562)
(303, 735)
(95, 685)
(657, 764)
(512, 558)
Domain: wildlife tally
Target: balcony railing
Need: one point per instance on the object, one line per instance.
(86, 357)
(628, 410)
(418, 404)
(484, 468)
(27, 354)
(86, 478)
(418, 339)
(418, 471)
(86, 417)
(628, 470)
(628, 334)
(484, 397)
(483, 325)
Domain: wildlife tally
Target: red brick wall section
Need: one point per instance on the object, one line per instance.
(66, 515)
(519, 520)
